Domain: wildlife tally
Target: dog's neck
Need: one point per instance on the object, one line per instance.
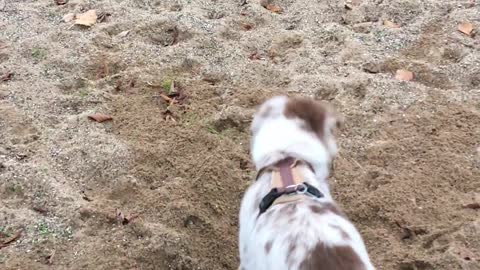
(281, 139)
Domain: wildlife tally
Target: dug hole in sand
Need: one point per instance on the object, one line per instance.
(159, 185)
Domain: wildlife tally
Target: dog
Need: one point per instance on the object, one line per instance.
(288, 219)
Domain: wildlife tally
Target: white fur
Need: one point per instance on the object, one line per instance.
(274, 138)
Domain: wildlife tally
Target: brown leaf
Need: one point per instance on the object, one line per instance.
(6, 77)
(404, 75)
(11, 239)
(466, 28)
(474, 206)
(61, 2)
(69, 17)
(100, 117)
(246, 26)
(273, 8)
(390, 24)
(88, 18)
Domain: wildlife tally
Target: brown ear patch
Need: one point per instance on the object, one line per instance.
(336, 257)
(313, 113)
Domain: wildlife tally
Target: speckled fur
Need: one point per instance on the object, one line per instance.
(310, 233)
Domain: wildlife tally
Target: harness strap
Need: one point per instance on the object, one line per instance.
(287, 184)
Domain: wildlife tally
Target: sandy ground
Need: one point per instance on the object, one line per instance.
(159, 188)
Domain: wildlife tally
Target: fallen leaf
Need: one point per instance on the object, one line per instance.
(61, 2)
(88, 18)
(466, 28)
(6, 77)
(274, 8)
(69, 17)
(474, 206)
(246, 26)
(11, 239)
(100, 117)
(390, 24)
(123, 34)
(404, 75)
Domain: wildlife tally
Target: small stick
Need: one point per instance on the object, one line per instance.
(12, 239)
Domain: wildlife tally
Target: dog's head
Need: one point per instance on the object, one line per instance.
(298, 126)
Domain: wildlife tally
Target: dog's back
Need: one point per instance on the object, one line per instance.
(296, 231)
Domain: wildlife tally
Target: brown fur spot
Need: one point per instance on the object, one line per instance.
(313, 113)
(324, 208)
(268, 246)
(326, 258)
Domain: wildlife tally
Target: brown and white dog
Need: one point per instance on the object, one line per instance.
(288, 219)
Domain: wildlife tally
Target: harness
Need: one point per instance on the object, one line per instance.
(287, 184)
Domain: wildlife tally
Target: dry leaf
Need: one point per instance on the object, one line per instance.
(274, 8)
(88, 18)
(69, 17)
(466, 28)
(404, 75)
(474, 206)
(100, 117)
(6, 77)
(390, 24)
(123, 34)
(246, 26)
(61, 2)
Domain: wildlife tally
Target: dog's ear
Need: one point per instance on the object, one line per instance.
(317, 117)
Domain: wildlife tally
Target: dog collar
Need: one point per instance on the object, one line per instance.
(287, 184)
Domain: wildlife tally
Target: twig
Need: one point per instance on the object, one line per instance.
(11, 239)
(49, 258)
